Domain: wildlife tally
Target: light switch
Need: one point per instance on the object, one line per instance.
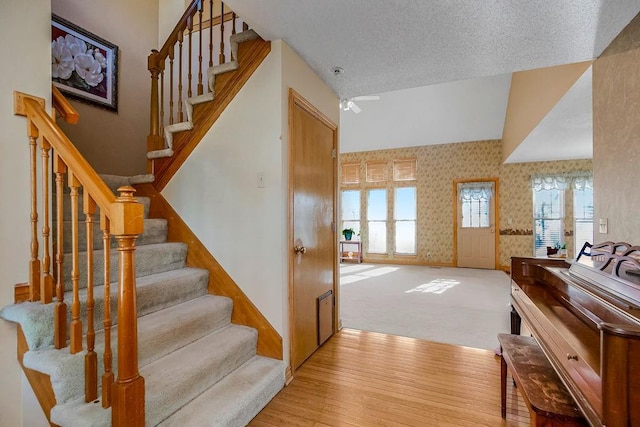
(260, 179)
(603, 223)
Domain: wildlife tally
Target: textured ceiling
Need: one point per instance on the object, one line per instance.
(388, 46)
(398, 44)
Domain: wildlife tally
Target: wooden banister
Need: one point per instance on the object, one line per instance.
(120, 217)
(82, 170)
(178, 56)
(63, 107)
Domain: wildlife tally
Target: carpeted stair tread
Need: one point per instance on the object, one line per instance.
(236, 399)
(154, 292)
(159, 334)
(155, 231)
(66, 208)
(150, 259)
(175, 379)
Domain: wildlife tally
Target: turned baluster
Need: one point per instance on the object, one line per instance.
(233, 24)
(46, 280)
(200, 86)
(190, 60)
(107, 377)
(221, 57)
(90, 358)
(154, 139)
(76, 323)
(171, 58)
(60, 310)
(162, 100)
(210, 35)
(180, 40)
(128, 390)
(34, 263)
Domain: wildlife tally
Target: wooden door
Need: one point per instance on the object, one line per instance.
(476, 219)
(312, 169)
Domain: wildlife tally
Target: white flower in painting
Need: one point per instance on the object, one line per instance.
(76, 45)
(100, 58)
(88, 69)
(61, 59)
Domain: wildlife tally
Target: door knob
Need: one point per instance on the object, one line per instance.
(299, 249)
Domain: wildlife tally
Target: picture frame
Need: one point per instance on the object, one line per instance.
(84, 66)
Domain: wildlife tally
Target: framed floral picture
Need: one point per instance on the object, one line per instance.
(83, 65)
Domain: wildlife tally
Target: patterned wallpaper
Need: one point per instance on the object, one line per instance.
(438, 166)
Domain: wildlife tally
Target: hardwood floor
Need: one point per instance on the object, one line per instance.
(365, 378)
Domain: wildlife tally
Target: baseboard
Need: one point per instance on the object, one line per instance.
(401, 261)
(288, 375)
(21, 293)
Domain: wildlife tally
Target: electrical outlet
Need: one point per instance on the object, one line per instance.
(604, 225)
(260, 179)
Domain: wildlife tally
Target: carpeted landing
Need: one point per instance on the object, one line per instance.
(460, 306)
(199, 369)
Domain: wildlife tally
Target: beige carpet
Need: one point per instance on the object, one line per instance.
(460, 306)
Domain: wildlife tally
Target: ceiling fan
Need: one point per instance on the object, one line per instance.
(349, 103)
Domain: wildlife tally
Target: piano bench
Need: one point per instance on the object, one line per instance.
(548, 400)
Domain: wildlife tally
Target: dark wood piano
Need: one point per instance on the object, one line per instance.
(586, 317)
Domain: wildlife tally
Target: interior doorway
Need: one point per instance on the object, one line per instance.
(476, 216)
(312, 200)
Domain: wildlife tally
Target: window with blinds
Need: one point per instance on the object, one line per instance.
(582, 217)
(548, 216)
(377, 171)
(404, 170)
(405, 214)
(350, 210)
(377, 221)
(350, 173)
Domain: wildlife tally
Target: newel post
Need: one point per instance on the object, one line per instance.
(154, 140)
(128, 390)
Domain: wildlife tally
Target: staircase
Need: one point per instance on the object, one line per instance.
(195, 366)
(199, 369)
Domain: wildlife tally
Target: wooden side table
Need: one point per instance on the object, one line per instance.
(349, 244)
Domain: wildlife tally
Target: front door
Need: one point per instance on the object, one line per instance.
(313, 140)
(476, 236)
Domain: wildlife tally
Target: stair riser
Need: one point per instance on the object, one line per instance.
(155, 231)
(204, 372)
(153, 344)
(152, 295)
(149, 259)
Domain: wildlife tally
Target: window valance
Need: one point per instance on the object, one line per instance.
(475, 190)
(576, 181)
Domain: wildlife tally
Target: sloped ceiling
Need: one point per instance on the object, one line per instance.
(387, 46)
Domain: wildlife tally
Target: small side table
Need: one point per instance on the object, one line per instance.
(349, 244)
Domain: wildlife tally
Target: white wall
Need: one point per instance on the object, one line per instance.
(467, 110)
(216, 191)
(116, 143)
(25, 27)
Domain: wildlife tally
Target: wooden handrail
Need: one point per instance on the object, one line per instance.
(120, 217)
(82, 170)
(189, 29)
(179, 28)
(63, 106)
